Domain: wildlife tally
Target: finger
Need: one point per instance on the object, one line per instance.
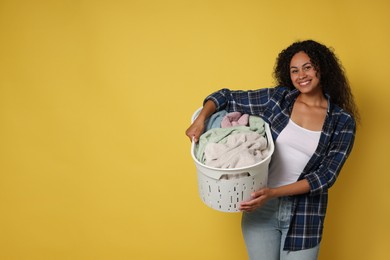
(254, 200)
(258, 193)
(196, 137)
(247, 209)
(191, 135)
(246, 203)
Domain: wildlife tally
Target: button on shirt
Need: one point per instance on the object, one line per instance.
(274, 105)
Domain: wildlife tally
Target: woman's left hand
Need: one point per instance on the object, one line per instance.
(259, 198)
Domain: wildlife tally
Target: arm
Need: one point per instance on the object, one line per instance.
(320, 179)
(249, 102)
(262, 196)
(252, 102)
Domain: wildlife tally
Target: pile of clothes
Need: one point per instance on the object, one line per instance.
(232, 140)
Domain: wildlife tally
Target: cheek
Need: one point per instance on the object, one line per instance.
(293, 77)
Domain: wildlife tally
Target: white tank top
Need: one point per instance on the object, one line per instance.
(294, 147)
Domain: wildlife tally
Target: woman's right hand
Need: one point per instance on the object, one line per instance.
(195, 130)
(197, 127)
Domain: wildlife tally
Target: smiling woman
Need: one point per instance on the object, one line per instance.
(318, 63)
(303, 75)
(314, 132)
(309, 110)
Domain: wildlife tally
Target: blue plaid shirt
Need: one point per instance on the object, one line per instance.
(274, 105)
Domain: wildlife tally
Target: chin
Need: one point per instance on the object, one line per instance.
(307, 89)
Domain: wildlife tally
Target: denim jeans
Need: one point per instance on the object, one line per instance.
(265, 230)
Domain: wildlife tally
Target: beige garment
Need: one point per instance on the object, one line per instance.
(240, 150)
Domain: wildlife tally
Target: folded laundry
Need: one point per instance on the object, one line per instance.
(220, 136)
(215, 120)
(240, 150)
(234, 119)
(234, 176)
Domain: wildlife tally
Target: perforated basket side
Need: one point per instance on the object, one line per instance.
(226, 195)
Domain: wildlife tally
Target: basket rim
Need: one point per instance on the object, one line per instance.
(270, 147)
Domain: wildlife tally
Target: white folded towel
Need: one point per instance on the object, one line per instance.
(240, 150)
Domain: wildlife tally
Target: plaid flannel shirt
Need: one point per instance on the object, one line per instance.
(274, 105)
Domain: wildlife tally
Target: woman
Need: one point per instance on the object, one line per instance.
(312, 116)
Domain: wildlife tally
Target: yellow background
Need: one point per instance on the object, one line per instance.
(95, 97)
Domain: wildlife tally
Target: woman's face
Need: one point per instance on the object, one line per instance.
(303, 74)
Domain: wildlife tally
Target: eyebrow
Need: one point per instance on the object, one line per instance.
(302, 65)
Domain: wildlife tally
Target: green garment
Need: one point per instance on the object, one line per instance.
(219, 135)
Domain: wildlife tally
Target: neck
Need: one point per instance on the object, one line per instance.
(313, 99)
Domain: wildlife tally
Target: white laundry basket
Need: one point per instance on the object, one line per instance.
(225, 189)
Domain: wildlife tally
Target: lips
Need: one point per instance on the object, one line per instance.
(304, 83)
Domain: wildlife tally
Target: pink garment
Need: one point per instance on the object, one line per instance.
(235, 119)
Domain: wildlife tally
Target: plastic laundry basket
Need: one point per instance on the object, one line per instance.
(225, 189)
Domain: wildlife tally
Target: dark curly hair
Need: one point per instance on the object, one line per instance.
(332, 76)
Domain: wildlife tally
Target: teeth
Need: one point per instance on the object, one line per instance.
(304, 83)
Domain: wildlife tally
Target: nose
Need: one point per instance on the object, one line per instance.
(301, 74)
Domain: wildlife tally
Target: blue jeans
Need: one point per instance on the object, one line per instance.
(265, 230)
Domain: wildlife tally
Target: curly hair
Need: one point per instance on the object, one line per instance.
(332, 75)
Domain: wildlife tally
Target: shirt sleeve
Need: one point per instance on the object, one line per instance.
(252, 102)
(341, 145)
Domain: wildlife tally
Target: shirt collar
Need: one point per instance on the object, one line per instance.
(329, 103)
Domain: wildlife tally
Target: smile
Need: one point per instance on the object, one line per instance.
(304, 83)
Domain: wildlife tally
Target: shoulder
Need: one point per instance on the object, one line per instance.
(282, 93)
(342, 119)
(275, 91)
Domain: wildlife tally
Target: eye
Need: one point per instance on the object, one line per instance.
(307, 68)
(294, 71)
